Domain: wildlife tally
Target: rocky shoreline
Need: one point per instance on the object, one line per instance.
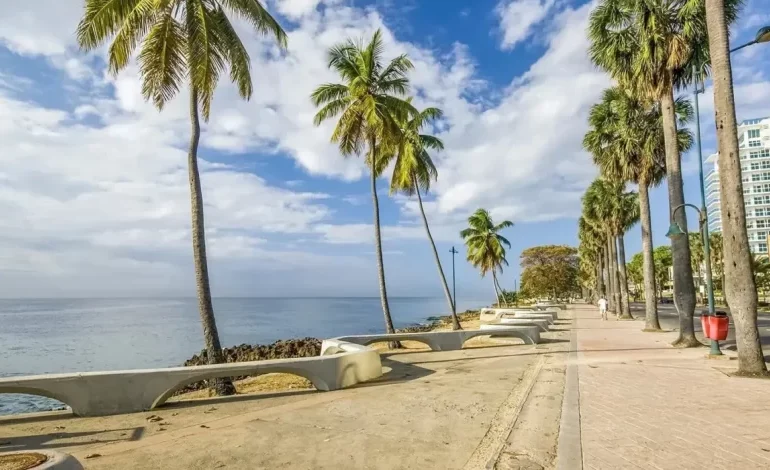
(301, 347)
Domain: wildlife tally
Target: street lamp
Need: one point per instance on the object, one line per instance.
(454, 290)
(763, 35)
(676, 231)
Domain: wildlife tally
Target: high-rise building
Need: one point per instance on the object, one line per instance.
(754, 147)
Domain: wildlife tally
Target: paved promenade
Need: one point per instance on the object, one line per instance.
(646, 405)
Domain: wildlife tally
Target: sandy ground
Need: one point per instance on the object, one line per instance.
(450, 409)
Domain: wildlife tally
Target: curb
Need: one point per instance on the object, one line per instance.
(569, 454)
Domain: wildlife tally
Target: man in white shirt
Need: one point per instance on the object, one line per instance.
(603, 307)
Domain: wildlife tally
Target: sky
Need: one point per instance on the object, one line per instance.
(94, 196)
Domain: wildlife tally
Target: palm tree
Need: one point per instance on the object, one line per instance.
(486, 247)
(182, 41)
(600, 209)
(717, 259)
(650, 48)
(627, 143)
(740, 282)
(369, 110)
(591, 253)
(413, 172)
(627, 216)
(696, 255)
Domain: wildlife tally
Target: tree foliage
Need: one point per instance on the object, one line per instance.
(550, 271)
(486, 247)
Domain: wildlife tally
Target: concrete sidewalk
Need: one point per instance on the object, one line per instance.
(644, 404)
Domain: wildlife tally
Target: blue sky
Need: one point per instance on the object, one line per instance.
(93, 187)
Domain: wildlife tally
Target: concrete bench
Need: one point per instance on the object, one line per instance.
(442, 340)
(540, 323)
(104, 393)
(551, 305)
(491, 315)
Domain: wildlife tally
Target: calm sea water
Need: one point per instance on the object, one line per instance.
(68, 335)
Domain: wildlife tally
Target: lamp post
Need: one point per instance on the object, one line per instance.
(676, 231)
(763, 35)
(454, 289)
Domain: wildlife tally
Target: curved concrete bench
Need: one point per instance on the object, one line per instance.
(551, 305)
(492, 315)
(536, 316)
(442, 340)
(540, 323)
(115, 392)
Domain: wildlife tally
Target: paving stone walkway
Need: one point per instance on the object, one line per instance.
(644, 404)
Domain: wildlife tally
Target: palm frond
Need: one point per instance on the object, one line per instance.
(259, 18)
(162, 60)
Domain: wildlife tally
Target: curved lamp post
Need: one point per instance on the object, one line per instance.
(763, 35)
(676, 231)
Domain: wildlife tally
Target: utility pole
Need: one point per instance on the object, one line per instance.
(454, 288)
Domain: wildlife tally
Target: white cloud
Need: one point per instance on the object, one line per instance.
(519, 17)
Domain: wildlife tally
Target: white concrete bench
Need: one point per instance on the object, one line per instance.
(103, 393)
(541, 323)
(442, 340)
(551, 305)
(494, 315)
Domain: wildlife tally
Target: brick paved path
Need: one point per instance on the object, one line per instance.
(646, 405)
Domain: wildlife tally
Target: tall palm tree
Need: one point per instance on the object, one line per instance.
(590, 252)
(626, 140)
(182, 42)
(369, 110)
(600, 208)
(650, 47)
(486, 247)
(740, 282)
(413, 172)
(627, 215)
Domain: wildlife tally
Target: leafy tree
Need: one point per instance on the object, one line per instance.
(663, 261)
(369, 110)
(413, 172)
(636, 274)
(550, 271)
(182, 42)
(651, 47)
(743, 295)
(485, 245)
(717, 259)
(697, 255)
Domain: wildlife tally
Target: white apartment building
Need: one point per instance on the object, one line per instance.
(754, 146)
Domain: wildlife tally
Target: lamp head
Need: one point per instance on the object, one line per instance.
(763, 35)
(675, 231)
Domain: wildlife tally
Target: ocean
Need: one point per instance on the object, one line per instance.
(39, 336)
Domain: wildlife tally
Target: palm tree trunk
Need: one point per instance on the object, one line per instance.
(615, 277)
(612, 276)
(599, 276)
(626, 313)
(202, 286)
(502, 302)
(738, 272)
(684, 289)
(497, 293)
(651, 322)
(378, 245)
(608, 278)
(452, 305)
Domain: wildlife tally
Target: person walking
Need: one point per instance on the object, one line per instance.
(603, 307)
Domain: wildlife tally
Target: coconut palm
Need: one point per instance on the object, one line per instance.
(651, 48)
(599, 209)
(627, 143)
(739, 280)
(486, 247)
(182, 42)
(627, 215)
(369, 110)
(591, 254)
(414, 171)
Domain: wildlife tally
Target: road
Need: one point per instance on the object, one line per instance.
(669, 319)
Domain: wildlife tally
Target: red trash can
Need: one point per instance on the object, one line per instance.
(718, 327)
(704, 323)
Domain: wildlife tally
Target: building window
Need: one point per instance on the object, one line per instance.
(759, 212)
(762, 247)
(755, 143)
(759, 153)
(761, 223)
(753, 133)
(754, 166)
